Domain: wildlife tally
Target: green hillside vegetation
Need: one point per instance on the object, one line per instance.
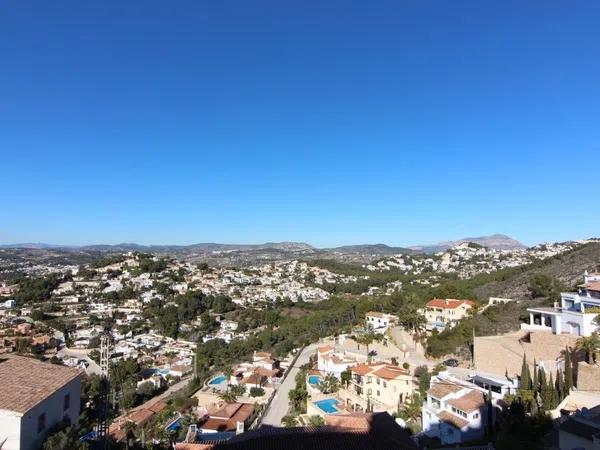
(536, 284)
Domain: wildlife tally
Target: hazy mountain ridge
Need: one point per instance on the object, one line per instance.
(248, 254)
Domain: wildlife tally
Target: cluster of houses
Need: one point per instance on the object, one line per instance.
(455, 409)
(467, 260)
(292, 280)
(17, 334)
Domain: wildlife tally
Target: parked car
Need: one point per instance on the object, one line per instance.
(452, 362)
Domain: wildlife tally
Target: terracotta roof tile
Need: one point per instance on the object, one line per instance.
(469, 402)
(25, 382)
(390, 372)
(440, 390)
(325, 349)
(456, 421)
(448, 303)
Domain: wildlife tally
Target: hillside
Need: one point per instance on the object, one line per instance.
(568, 268)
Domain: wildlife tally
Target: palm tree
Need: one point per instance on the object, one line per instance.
(228, 396)
(228, 372)
(328, 384)
(365, 339)
(411, 410)
(591, 346)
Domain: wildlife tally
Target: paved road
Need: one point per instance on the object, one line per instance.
(280, 405)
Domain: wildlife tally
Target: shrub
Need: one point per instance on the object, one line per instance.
(256, 392)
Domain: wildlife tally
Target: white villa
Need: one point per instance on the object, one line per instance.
(445, 313)
(332, 361)
(380, 322)
(576, 313)
(456, 411)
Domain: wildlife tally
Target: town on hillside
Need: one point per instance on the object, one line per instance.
(469, 347)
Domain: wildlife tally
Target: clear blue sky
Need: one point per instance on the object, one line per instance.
(330, 122)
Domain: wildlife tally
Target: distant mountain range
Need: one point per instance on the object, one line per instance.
(497, 241)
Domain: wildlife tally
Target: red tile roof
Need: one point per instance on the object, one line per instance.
(325, 349)
(469, 402)
(390, 372)
(227, 417)
(456, 421)
(376, 431)
(440, 390)
(448, 303)
(25, 382)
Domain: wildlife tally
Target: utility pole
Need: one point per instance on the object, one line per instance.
(105, 352)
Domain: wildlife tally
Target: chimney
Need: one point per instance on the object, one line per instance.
(239, 429)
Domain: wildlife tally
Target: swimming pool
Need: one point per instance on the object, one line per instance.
(174, 426)
(217, 380)
(328, 405)
(313, 380)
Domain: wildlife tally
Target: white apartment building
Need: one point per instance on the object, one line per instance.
(445, 313)
(380, 322)
(576, 313)
(455, 411)
(34, 397)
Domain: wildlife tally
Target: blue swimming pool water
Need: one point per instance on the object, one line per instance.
(176, 425)
(328, 405)
(217, 380)
(314, 380)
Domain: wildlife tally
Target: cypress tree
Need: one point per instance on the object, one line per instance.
(541, 379)
(553, 394)
(525, 375)
(560, 385)
(568, 372)
(544, 391)
(534, 384)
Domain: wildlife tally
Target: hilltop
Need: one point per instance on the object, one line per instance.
(495, 241)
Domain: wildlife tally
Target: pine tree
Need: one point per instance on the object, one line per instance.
(568, 372)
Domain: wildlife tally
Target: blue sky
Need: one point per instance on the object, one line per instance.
(330, 122)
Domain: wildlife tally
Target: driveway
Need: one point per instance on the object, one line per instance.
(91, 369)
(280, 405)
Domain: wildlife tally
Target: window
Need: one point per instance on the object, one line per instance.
(476, 416)
(67, 402)
(377, 380)
(41, 422)
(378, 394)
(384, 384)
(459, 412)
(369, 392)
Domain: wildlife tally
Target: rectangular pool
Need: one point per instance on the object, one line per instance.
(328, 405)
